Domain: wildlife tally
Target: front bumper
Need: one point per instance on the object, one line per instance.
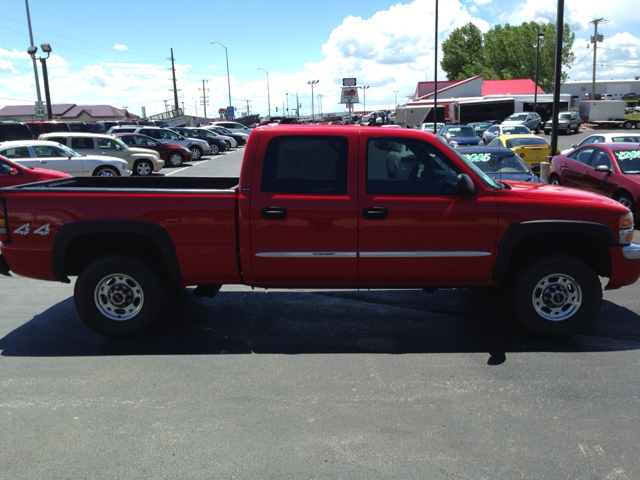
(625, 267)
(632, 251)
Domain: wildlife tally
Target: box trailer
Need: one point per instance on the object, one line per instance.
(606, 113)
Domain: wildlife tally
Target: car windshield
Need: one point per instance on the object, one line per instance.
(487, 180)
(628, 160)
(518, 117)
(17, 162)
(460, 132)
(73, 153)
(481, 126)
(497, 162)
(526, 141)
(565, 116)
(222, 130)
(188, 134)
(121, 143)
(515, 130)
(207, 133)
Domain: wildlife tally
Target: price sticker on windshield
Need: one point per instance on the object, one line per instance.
(454, 129)
(508, 129)
(478, 157)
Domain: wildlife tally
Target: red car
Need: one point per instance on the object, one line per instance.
(12, 173)
(611, 169)
(173, 155)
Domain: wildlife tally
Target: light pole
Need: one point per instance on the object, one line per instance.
(535, 92)
(287, 94)
(297, 106)
(320, 100)
(33, 57)
(312, 83)
(395, 93)
(268, 94)
(364, 94)
(228, 80)
(46, 48)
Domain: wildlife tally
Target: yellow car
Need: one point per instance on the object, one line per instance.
(531, 148)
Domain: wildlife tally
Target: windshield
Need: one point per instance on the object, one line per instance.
(518, 117)
(222, 130)
(515, 130)
(26, 167)
(497, 162)
(207, 133)
(526, 141)
(565, 116)
(71, 152)
(460, 132)
(189, 134)
(628, 160)
(121, 143)
(488, 181)
(482, 126)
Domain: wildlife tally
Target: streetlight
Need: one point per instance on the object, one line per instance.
(535, 93)
(287, 94)
(364, 94)
(46, 48)
(320, 99)
(312, 83)
(268, 94)
(228, 80)
(395, 93)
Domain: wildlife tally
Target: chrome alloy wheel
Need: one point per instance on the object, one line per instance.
(195, 153)
(143, 169)
(557, 297)
(119, 297)
(175, 159)
(107, 172)
(624, 201)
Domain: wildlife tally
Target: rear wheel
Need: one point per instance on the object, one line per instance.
(176, 159)
(228, 144)
(143, 168)
(627, 124)
(625, 199)
(196, 152)
(118, 296)
(106, 172)
(557, 296)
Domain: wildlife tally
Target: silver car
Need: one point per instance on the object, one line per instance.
(55, 156)
(197, 147)
(500, 130)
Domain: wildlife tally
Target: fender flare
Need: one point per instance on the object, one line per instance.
(519, 231)
(155, 233)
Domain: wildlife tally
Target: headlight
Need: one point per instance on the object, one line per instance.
(626, 228)
(453, 143)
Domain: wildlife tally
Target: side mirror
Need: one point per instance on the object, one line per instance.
(604, 169)
(574, 145)
(14, 171)
(118, 147)
(465, 186)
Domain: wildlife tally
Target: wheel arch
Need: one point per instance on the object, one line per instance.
(588, 241)
(77, 244)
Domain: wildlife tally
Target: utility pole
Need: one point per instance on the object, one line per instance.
(33, 57)
(175, 88)
(204, 97)
(595, 39)
(248, 110)
(435, 78)
(297, 106)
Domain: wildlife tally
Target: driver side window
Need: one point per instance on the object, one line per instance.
(402, 166)
(581, 156)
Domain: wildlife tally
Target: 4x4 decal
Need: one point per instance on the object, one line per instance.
(26, 229)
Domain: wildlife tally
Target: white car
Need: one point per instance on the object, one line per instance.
(231, 126)
(197, 147)
(141, 161)
(604, 137)
(55, 156)
(230, 141)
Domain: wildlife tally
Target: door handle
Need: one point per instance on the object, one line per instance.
(273, 213)
(375, 213)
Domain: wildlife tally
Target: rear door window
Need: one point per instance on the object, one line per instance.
(306, 164)
(15, 131)
(82, 143)
(13, 153)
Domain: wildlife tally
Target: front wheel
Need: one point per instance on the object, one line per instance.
(626, 200)
(176, 159)
(214, 149)
(228, 144)
(196, 152)
(557, 296)
(106, 172)
(118, 296)
(143, 168)
(554, 180)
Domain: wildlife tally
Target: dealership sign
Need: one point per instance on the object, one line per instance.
(349, 95)
(348, 82)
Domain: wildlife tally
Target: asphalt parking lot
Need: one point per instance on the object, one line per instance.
(316, 384)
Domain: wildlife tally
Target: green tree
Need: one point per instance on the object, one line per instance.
(506, 53)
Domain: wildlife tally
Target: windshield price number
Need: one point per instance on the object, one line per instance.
(478, 157)
(26, 229)
(627, 155)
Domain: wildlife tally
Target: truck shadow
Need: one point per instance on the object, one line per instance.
(329, 322)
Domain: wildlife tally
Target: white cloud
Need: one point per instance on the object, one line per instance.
(121, 47)
(482, 2)
(212, 67)
(6, 66)
(14, 54)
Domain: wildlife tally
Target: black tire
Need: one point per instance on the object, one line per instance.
(106, 172)
(627, 125)
(625, 199)
(557, 296)
(143, 168)
(214, 149)
(554, 180)
(196, 152)
(175, 159)
(118, 296)
(538, 129)
(228, 144)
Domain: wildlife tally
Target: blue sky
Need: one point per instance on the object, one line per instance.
(116, 52)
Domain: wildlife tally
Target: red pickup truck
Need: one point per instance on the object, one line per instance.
(322, 207)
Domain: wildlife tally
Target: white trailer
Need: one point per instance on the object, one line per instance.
(606, 113)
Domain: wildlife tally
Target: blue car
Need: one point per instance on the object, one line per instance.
(459, 135)
(500, 163)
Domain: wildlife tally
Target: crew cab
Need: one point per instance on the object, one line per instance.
(318, 206)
